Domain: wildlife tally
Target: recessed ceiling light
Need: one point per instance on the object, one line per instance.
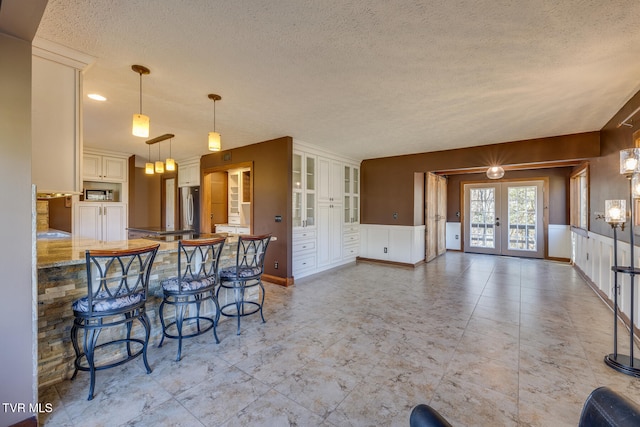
(97, 97)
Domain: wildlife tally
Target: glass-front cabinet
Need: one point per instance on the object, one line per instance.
(351, 194)
(304, 190)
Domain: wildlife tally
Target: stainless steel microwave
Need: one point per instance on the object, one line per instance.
(93, 194)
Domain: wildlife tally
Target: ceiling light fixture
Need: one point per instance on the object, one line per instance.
(170, 163)
(140, 121)
(159, 163)
(214, 137)
(148, 167)
(495, 172)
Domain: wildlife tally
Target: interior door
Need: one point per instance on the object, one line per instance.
(504, 218)
(435, 216)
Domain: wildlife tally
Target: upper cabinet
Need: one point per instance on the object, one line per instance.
(351, 194)
(189, 174)
(304, 190)
(329, 181)
(100, 167)
(56, 126)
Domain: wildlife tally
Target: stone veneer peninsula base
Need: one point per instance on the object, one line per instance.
(62, 278)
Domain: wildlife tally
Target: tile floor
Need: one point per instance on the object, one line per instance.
(488, 341)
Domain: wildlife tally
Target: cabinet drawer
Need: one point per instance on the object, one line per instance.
(349, 239)
(304, 234)
(348, 228)
(304, 263)
(351, 251)
(304, 246)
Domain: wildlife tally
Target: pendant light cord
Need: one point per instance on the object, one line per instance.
(140, 93)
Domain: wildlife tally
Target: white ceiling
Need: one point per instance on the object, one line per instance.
(362, 78)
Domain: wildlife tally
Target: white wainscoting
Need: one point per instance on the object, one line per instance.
(397, 243)
(453, 236)
(559, 241)
(593, 254)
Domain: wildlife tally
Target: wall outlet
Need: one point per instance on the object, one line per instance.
(385, 250)
(275, 265)
(457, 237)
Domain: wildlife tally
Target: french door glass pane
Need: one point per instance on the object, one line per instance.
(483, 217)
(522, 218)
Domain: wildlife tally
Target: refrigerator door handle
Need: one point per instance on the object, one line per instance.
(190, 210)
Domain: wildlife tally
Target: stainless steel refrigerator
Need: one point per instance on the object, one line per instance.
(190, 208)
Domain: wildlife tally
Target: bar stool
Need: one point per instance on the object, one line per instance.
(247, 273)
(197, 279)
(117, 289)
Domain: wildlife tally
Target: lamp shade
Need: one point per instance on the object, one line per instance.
(214, 141)
(495, 172)
(140, 125)
(629, 161)
(170, 164)
(148, 168)
(159, 167)
(615, 211)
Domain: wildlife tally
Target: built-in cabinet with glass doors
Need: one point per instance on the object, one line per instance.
(326, 210)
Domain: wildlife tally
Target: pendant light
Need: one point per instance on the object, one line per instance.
(159, 163)
(140, 121)
(170, 164)
(214, 137)
(148, 167)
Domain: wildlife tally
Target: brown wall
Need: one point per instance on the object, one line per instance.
(145, 191)
(387, 184)
(60, 214)
(605, 181)
(558, 191)
(271, 194)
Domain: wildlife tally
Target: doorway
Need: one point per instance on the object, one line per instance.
(227, 196)
(505, 218)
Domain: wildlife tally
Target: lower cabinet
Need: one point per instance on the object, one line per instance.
(233, 229)
(100, 221)
(304, 252)
(329, 234)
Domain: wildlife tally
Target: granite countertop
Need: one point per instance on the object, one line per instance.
(60, 252)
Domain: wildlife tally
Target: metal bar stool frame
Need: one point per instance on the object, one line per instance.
(117, 289)
(198, 263)
(245, 274)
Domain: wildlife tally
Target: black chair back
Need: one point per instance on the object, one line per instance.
(199, 259)
(117, 277)
(250, 255)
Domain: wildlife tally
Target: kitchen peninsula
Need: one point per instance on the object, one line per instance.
(62, 278)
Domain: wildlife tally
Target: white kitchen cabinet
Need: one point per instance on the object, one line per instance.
(232, 229)
(329, 180)
(101, 167)
(189, 174)
(329, 234)
(304, 190)
(323, 238)
(351, 205)
(100, 221)
(56, 103)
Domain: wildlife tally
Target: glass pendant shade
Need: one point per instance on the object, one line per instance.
(159, 167)
(214, 141)
(170, 164)
(148, 168)
(615, 211)
(140, 125)
(495, 172)
(629, 161)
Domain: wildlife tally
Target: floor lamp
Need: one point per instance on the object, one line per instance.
(615, 215)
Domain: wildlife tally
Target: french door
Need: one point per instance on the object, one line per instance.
(504, 218)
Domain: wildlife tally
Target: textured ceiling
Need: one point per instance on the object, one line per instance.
(365, 78)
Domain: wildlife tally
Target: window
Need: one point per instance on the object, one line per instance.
(579, 193)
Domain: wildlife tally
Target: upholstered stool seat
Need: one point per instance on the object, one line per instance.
(117, 286)
(198, 262)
